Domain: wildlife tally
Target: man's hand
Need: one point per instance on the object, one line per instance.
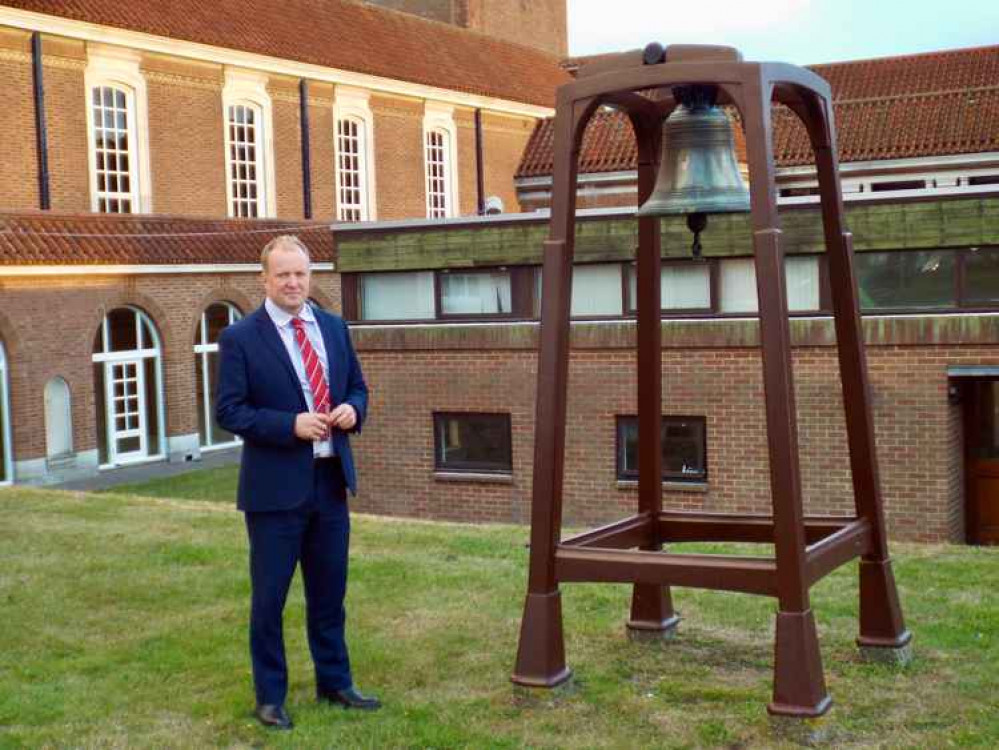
(311, 427)
(343, 417)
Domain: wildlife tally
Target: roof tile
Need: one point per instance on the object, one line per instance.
(43, 238)
(336, 34)
(913, 106)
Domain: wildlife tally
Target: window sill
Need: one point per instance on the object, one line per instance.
(692, 487)
(472, 476)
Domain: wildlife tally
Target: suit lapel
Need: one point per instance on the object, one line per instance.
(268, 332)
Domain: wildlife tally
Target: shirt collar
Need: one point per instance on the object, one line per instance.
(282, 319)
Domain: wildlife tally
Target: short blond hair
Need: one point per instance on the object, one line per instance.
(283, 240)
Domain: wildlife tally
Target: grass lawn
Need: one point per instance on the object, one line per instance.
(123, 624)
(215, 485)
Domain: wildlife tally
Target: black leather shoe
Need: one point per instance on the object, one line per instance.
(273, 716)
(348, 698)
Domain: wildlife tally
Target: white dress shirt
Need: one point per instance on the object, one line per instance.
(282, 321)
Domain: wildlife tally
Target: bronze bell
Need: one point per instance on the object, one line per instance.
(698, 171)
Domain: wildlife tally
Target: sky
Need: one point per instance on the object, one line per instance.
(796, 31)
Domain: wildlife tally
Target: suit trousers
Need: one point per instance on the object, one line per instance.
(316, 535)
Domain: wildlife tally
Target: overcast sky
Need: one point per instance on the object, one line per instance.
(795, 31)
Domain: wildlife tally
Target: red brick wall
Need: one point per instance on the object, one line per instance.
(185, 118)
(537, 23)
(321, 144)
(399, 158)
(287, 147)
(503, 142)
(65, 110)
(18, 158)
(918, 431)
(186, 139)
(72, 308)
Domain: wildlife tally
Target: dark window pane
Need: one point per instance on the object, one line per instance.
(152, 408)
(216, 318)
(129, 445)
(881, 187)
(121, 325)
(981, 271)
(683, 446)
(199, 381)
(906, 279)
(218, 434)
(100, 406)
(473, 442)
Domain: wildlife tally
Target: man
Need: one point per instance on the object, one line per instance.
(290, 385)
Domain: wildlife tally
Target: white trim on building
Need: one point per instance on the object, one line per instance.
(440, 161)
(117, 68)
(247, 88)
(354, 105)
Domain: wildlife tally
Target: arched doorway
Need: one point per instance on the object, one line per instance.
(206, 366)
(128, 388)
(58, 419)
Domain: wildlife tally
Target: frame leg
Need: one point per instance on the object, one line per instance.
(799, 685)
(652, 616)
(883, 635)
(541, 653)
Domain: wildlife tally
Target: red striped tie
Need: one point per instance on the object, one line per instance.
(313, 369)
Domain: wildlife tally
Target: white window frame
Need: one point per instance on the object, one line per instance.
(440, 118)
(146, 350)
(355, 104)
(201, 352)
(7, 456)
(249, 89)
(118, 68)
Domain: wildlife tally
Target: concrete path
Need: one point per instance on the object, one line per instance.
(144, 472)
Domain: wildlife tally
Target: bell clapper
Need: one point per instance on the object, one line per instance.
(697, 222)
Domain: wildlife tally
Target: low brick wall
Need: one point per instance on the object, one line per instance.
(710, 369)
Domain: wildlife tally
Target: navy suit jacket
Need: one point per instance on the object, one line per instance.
(259, 396)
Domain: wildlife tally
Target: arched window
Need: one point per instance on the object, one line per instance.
(6, 461)
(440, 160)
(351, 170)
(117, 120)
(438, 163)
(246, 185)
(113, 155)
(58, 419)
(206, 367)
(249, 145)
(355, 154)
(128, 388)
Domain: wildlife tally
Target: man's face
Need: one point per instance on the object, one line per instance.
(286, 278)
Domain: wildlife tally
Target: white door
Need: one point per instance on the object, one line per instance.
(58, 419)
(126, 400)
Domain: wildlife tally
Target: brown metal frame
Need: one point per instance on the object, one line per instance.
(630, 550)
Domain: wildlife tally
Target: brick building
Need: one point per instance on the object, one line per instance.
(217, 129)
(205, 130)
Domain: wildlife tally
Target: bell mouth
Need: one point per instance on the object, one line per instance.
(692, 201)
